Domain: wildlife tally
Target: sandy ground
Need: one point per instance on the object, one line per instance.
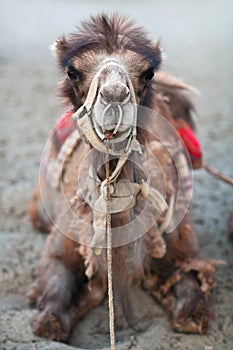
(197, 37)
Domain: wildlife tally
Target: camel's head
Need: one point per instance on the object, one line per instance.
(109, 64)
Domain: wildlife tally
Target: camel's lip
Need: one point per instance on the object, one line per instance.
(112, 125)
(110, 135)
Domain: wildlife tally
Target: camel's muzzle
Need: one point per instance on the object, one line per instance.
(113, 120)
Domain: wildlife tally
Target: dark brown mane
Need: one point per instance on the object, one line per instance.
(110, 34)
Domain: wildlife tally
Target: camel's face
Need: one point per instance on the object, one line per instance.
(120, 84)
(121, 60)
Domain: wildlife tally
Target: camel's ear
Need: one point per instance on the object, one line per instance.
(158, 47)
(156, 56)
(59, 47)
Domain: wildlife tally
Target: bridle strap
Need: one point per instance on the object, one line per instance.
(85, 124)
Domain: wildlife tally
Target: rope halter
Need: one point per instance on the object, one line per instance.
(84, 116)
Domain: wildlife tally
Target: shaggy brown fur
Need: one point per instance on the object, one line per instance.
(71, 278)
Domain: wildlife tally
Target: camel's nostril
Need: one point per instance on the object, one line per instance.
(127, 97)
(114, 93)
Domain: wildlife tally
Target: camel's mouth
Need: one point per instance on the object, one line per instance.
(114, 121)
(111, 134)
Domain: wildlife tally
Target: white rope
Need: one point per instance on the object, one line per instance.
(218, 174)
(109, 253)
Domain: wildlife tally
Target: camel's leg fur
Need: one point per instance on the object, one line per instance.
(61, 291)
(181, 281)
(52, 291)
(55, 318)
(191, 313)
(185, 303)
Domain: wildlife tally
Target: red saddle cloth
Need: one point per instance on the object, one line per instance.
(192, 144)
(66, 125)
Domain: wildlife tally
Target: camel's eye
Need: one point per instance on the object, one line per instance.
(148, 74)
(72, 74)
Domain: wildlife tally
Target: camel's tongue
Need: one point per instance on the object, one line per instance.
(109, 135)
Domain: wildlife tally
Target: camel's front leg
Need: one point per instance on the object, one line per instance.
(182, 282)
(55, 288)
(184, 301)
(55, 318)
(191, 312)
(62, 291)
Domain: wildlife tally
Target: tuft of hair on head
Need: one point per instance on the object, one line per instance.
(58, 46)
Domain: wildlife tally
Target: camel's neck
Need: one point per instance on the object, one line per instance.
(129, 171)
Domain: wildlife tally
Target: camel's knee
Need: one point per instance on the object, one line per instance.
(37, 212)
